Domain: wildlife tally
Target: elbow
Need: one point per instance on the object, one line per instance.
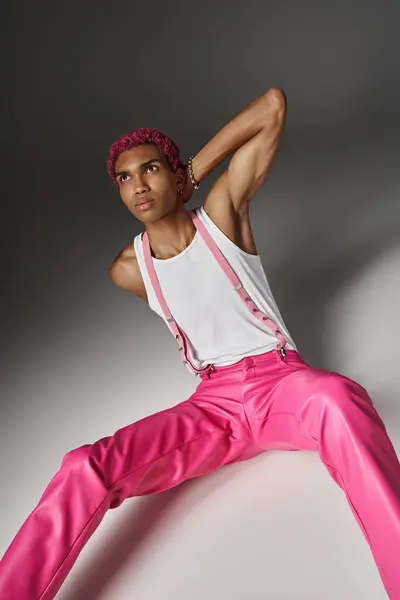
(274, 112)
(276, 101)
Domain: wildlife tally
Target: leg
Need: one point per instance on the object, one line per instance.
(327, 412)
(149, 456)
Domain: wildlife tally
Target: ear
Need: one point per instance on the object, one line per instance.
(180, 178)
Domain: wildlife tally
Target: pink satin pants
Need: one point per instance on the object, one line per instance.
(263, 402)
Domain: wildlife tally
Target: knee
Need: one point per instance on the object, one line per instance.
(77, 457)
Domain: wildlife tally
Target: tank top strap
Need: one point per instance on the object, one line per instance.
(229, 272)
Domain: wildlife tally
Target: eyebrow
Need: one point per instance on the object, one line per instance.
(143, 165)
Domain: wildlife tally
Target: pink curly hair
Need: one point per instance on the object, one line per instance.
(144, 135)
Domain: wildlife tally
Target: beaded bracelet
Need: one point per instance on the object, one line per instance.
(195, 183)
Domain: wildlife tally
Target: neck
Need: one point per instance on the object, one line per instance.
(172, 234)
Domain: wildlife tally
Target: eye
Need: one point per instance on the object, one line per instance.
(122, 178)
(151, 167)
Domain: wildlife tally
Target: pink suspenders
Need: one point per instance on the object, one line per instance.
(179, 334)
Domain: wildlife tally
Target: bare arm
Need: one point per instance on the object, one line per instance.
(125, 272)
(253, 137)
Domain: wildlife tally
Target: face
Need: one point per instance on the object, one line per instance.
(143, 175)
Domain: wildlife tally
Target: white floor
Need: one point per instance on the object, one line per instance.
(275, 527)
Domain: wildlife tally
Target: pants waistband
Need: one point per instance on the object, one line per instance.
(272, 356)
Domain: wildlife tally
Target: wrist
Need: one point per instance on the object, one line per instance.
(193, 172)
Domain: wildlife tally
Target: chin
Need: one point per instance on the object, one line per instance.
(148, 216)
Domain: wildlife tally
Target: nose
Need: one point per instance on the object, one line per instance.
(140, 185)
(140, 189)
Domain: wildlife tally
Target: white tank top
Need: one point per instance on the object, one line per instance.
(220, 329)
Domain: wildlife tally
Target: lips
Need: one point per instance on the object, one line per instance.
(144, 201)
(145, 205)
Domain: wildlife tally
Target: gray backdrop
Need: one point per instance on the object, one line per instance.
(81, 358)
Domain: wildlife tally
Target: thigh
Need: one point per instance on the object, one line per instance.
(162, 450)
(305, 395)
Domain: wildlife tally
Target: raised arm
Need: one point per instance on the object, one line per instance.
(253, 137)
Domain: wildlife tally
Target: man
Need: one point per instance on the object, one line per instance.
(199, 270)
